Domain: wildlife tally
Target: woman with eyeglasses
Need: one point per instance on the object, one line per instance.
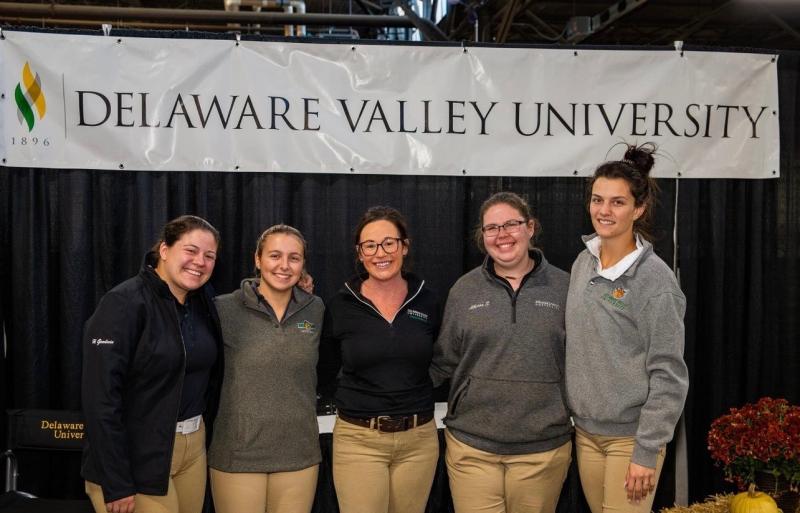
(378, 337)
(502, 347)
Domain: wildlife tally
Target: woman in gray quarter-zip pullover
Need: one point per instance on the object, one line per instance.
(502, 347)
(265, 455)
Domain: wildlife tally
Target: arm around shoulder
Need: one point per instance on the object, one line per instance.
(446, 349)
(330, 355)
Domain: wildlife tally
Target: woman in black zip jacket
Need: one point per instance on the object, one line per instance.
(379, 330)
(151, 369)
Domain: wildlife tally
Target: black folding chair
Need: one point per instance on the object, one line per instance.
(39, 430)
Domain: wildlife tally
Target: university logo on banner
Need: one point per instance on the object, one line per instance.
(30, 98)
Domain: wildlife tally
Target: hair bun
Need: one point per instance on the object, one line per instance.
(641, 157)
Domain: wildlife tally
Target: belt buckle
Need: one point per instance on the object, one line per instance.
(378, 420)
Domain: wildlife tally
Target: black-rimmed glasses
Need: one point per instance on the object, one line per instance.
(370, 247)
(493, 230)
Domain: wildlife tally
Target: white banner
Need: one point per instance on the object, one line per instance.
(94, 102)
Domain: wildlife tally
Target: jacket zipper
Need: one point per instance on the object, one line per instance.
(347, 285)
(514, 308)
(180, 387)
(286, 317)
(513, 294)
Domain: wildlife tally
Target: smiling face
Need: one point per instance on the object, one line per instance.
(509, 250)
(613, 209)
(281, 261)
(188, 263)
(382, 265)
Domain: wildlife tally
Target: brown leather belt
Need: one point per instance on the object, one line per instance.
(389, 424)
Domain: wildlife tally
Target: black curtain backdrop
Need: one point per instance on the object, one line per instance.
(68, 236)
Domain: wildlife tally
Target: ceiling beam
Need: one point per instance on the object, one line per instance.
(779, 22)
(693, 26)
(426, 27)
(505, 23)
(542, 25)
(112, 14)
(603, 20)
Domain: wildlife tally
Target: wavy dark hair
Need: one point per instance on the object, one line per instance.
(383, 213)
(634, 168)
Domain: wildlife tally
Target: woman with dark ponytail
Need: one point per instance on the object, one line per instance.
(152, 365)
(625, 375)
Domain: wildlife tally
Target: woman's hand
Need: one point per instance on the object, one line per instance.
(306, 282)
(639, 482)
(123, 505)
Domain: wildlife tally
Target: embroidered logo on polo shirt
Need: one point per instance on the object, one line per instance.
(306, 327)
(102, 342)
(615, 298)
(417, 315)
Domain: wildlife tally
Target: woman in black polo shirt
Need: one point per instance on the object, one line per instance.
(379, 331)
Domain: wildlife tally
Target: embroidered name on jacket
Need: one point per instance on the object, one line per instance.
(102, 342)
(417, 315)
(479, 305)
(306, 327)
(547, 304)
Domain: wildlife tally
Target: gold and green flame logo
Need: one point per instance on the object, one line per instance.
(29, 96)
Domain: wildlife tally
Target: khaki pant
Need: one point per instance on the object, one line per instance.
(602, 464)
(377, 472)
(187, 480)
(484, 482)
(275, 492)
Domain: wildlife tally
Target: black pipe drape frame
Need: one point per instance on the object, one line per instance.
(67, 236)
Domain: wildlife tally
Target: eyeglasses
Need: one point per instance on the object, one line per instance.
(493, 230)
(370, 247)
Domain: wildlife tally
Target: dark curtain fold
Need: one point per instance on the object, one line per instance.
(739, 260)
(67, 236)
(74, 234)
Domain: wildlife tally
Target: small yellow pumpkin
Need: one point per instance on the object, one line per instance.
(752, 501)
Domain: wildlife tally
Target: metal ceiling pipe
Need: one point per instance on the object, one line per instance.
(111, 14)
(146, 25)
(288, 6)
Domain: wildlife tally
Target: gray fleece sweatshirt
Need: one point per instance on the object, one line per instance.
(267, 420)
(504, 354)
(625, 372)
